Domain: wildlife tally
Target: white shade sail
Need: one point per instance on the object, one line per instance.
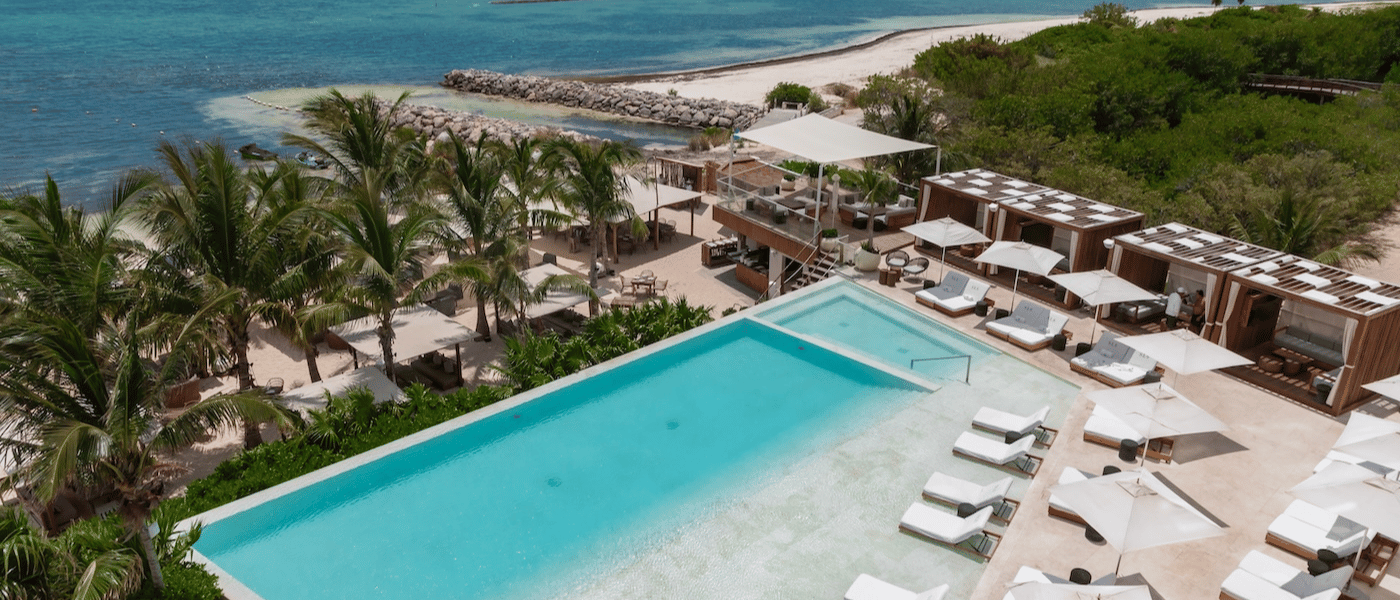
(313, 395)
(554, 300)
(1388, 387)
(1100, 287)
(1156, 410)
(1133, 510)
(417, 330)
(1372, 440)
(1183, 351)
(1069, 591)
(819, 139)
(1021, 256)
(946, 232)
(1356, 493)
(646, 196)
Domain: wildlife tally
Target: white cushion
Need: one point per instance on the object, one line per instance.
(1105, 425)
(1312, 527)
(1001, 421)
(867, 587)
(943, 526)
(993, 451)
(1070, 475)
(957, 491)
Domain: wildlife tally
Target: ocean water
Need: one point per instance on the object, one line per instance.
(88, 87)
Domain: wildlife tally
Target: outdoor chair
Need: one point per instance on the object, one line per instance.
(646, 273)
(897, 259)
(1304, 529)
(1057, 507)
(1106, 429)
(1014, 457)
(951, 530)
(1001, 422)
(274, 386)
(1113, 363)
(1263, 577)
(660, 286)
(1030, 326)
(916, 267)
(957, 295)
(871, 588)
(951, 491)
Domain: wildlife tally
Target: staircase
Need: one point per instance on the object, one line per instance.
(819, 269)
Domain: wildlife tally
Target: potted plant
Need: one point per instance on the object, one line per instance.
(789, 182)
(829, 241)
(867, 259)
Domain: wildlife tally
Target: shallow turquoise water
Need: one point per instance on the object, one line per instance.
(93, 69)
(564, 487)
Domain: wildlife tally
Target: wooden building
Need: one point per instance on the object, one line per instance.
(1172, 256)
(1317, 333)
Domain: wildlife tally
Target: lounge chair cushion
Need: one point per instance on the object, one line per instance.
(1248, 586)
(1314, 528)
(992, 451)
(951, 286)
(1106, 425)
(1069, 475)
(1000, 421)
(944, 526)
(1030, 323)
(1293, 580)
(867, 587)
(958, 491)
(972, 293)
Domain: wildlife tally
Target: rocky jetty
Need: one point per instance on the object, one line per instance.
(618, 100)
(435, 123)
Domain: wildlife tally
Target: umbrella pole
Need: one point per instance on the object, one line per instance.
(1015, 283)
(942, 262)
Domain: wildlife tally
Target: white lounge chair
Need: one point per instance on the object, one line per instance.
(1030, 326)
(1002, 422)
(951, 530)
(1014, 457)
(949, 490)
(1113, 363)
(871, 588)
(1262, 577)
(1305, 528)
(955, 296)
(1058, 508)
(1105, 428)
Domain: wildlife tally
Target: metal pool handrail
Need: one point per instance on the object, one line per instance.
(967, 374)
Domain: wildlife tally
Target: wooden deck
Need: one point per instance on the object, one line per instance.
(1297, 388)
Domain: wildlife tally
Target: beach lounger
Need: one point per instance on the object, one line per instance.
(965, 534)
(1030, 326)
(1058, 508)
(1262, 577)
(871, 588)
(1113, 363)
(1304, 528)
(1014, 457)
(957, 295)
(1002, 422)
(951, 491)
(1106, 429)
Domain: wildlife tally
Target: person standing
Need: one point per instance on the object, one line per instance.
(1174, 307)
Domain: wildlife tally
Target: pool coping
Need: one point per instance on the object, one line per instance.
(236, 590)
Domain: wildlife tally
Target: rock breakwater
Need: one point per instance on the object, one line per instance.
(435, 123)
(618, 100)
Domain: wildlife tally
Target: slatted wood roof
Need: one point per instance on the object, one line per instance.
(1190, 245)
(1070, 209)
(987, 185)
(1323, 284)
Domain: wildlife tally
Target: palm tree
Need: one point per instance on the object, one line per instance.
(1303, 226)
(87, 561)
(876, 188)
(231, 245)
(366, 147)
(533, 176)
(484, 217)
(593, 188)
(909, 117)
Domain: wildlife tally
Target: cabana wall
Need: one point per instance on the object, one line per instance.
(1171, 256)
(1329, 326)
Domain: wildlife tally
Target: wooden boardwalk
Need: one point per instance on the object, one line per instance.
(1304, 86)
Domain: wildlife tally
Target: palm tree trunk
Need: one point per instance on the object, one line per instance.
(483, 324)
(143, 534)
(312, 369)
(386, 342)
(252, 438)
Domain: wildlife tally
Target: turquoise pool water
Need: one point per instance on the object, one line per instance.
(857, 318)
(568, 486)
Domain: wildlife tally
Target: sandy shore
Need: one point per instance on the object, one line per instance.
(749, 82)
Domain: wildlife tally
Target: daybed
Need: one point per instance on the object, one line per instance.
(1262, 577)
(1014, 457)
(1106, 429)
(1113, 363)
(1030, 326)
(871, 588)
(951, 491)
(1304, 528)
(951, 530)
(1318, 347)
(957, 295)
(1058, 508)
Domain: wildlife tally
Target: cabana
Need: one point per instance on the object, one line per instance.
(649, 197)
(313, 395)
(1317, 333)
(554, 300)
(418, 330)
(1007, 209)
(1164, 258)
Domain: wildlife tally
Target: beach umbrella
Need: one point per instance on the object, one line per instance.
(1388, 387)
(943, 233)
(1038, 590)
(1156, 410)
(1371, 439)
(1356, 493)
(1022, 257)
(1097, 288)
(1184, 352)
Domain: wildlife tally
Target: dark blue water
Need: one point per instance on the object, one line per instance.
(92, 68)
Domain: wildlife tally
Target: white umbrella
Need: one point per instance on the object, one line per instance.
(1097, 288)
(1134, 510)
(1184, 352)
(1356, 493)
(1069, 591)
(1022, 257)
(1371, 439)
(1156, 410)
(943, 233)
(1388, 387)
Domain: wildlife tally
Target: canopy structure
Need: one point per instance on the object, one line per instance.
(554, 300)
(1156, 410)
(313, 396)
(1099, 288)
(1022, 257)
(1069, 591)
(1134, 510)
(1356, 493)
(1388, 387)
(1372, 440)
(945, 232)
(1183, 351)
(418, 330)
(822, 140)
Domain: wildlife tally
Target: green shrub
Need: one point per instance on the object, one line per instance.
(788, 92)
(1110, 15)
(183, 581)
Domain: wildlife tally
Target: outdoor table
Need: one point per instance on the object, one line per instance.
(643, 284)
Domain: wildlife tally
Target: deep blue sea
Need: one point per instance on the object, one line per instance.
(87, 87)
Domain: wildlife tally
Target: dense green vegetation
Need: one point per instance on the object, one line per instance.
(1157, 118)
